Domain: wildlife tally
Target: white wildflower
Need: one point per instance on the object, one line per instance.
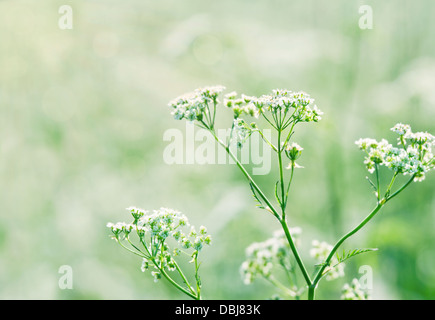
(262, 256)
(320, 251)
(412, 156)
(153, 229)
(353, 291)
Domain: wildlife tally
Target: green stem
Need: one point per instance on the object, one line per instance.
(344, 238)
(197, 279)
(295, 252)
(387, 193)
(184, 277)
(290, 132)
(247, 175)
(128, 249)
(280, 286)
(378, 183)
(267, 119)
(271, 208)
(281, 175)
(401, 189)
(289, 183)
(175, 284)
(268, 142)
(140, 251)
(311, 292)
(214, 111)
(361, 225)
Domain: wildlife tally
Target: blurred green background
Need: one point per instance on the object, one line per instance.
(83, 112)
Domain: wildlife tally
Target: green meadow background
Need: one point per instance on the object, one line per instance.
(83, 113)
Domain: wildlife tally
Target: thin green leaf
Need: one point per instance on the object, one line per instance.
(352, 253)
(259, 204)
(372, 184)
(276, 193)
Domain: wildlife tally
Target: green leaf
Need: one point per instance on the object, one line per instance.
(372, 184)
(259, 204)
(345, 256)
(276, 193)
(352, 253)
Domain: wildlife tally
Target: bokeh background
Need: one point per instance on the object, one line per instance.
(83, 112)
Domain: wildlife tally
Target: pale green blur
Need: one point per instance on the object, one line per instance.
(83, 113)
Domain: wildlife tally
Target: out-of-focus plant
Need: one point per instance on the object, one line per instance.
(156, 234)
(282, 111)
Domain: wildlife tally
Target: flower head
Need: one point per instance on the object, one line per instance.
(194, 105)
(156, 230)
(354, 291)
(262, 256)
(413, 154)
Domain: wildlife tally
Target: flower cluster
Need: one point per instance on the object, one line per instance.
(242, 130)
(320, 252)
(154, 230)
(412, 156)
(280, 101)
(194, 105)
(353, 291)
(262, 256)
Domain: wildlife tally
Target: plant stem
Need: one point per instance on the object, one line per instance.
(295, 252)
(379, 206)
(175, 284)
(281, 175)
(283, 219)
(289, 183)
(280, 286)
(311, 292)
(271, 208)
(401, 189)
(344, 238)
(184, 277)
(387, 193)
(247, 175)
(378, 183)
(134, 252)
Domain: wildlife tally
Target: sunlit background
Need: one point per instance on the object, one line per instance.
(83, 113)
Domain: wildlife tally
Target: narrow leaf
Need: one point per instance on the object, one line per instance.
(259, 203)
(276, 193)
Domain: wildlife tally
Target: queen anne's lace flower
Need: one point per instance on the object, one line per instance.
(412, 156)
(262, 256)
(191, 106)
(353, 291)
(401, 129)
(195, 105)
(282, 101)
(154, 230)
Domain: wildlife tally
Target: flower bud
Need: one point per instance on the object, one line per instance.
(293, 151)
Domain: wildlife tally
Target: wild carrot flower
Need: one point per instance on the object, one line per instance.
(156, 231)
(261, 257)
(413, 154)
(353, 291)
